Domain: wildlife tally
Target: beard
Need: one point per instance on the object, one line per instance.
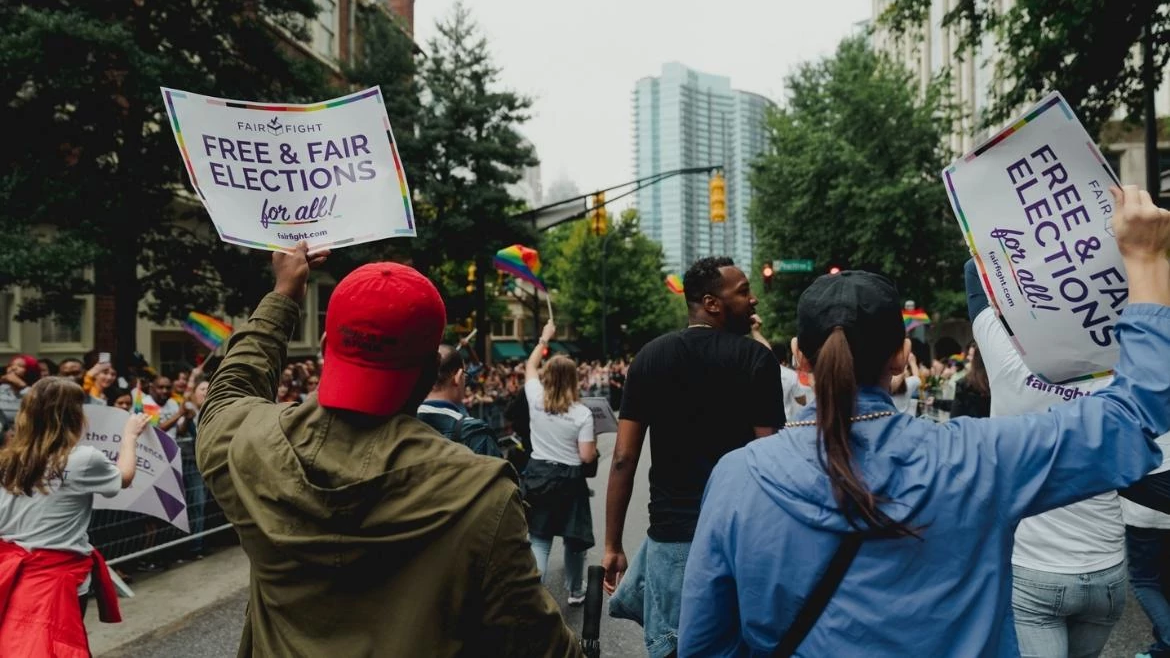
(739, 325)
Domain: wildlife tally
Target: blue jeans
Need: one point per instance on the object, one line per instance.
(1066, 615)
(651, 594)
(1149, 549)
(574, 563)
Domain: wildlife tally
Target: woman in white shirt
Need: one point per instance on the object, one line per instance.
(48, 480)
(554, 482)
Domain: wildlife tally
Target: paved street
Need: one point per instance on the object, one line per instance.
(216, 632)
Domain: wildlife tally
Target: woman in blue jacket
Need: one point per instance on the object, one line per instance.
(933, 506)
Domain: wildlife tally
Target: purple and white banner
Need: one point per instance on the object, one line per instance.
(1034, 204)
(157, 489)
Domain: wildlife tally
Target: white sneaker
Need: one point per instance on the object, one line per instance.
(576, 599)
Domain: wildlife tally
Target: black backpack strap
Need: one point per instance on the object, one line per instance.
(819, 599)
(457, 432)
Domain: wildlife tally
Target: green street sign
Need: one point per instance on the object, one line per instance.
(794, 266)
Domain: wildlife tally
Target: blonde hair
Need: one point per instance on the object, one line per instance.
(559, 380)
(47, 428)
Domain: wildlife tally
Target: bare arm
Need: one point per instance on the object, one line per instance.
(587, 450)
(136, 424)
(532, 366)
(626, 453)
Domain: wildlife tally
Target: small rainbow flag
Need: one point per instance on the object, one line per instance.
(674, 284)
(140, 406)
(206, 329)
(521, 262)
(914, 319)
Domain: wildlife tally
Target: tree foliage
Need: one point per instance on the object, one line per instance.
(93, 196)
(90, 177)
(635, 291)
(851, 178)
(472, 151)
(1082, 48)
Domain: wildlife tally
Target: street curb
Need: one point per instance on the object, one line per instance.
(163, 631)
(164, 603)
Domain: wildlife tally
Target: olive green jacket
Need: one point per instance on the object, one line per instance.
(367, 537)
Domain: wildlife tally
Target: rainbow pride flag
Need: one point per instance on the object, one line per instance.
(914, 319)
(141, 407)
(521, 262)
(206, 329)
(674, 284)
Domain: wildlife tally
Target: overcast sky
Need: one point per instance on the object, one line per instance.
(579, 61)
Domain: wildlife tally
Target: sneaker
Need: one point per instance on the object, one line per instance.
(576, 599)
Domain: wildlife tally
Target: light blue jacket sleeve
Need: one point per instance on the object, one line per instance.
(709, 624)
(1092, 445)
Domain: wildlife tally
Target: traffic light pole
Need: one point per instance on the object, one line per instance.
(604, 299)
(547, 216)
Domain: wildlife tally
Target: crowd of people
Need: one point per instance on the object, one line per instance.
(811, 518)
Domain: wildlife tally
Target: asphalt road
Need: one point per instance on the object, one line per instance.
(216, 632)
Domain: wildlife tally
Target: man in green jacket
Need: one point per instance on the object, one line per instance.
(369, 534)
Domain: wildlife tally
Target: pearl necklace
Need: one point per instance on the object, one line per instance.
(855, 419)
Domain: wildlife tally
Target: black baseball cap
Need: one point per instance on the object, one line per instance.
(865, 305)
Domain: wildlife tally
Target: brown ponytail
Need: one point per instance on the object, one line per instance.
(836, 395)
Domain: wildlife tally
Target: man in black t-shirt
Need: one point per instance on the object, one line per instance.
(702, 392)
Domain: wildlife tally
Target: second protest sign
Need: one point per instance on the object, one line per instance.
(1034, 204)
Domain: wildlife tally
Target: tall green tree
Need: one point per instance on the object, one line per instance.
(90, 180)
(1082, 48)
(850, 178)
(468, 131)
(387, 57)
(638, 306)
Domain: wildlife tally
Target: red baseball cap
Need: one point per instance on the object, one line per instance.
(384, 323)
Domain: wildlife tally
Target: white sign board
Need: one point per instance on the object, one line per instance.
(271, 175)
(1034, 205)
(157, 488)
(603, 419)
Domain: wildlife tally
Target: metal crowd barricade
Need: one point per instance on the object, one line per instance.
(125, 536)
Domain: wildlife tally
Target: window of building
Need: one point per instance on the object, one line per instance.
(298, 332)
(7, 312)
(505, 328)
(324, 29)
(60, 331)
(324, 292)
(1114, 160)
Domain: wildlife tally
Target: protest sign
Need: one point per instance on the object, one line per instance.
(603, 419)
(1035, 208)
(157, 489)
(271, 175)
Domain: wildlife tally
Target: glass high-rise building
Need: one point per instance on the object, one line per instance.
(684, 118)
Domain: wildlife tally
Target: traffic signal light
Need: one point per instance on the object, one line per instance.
(717, 194)
(471, 278)
(767, 272)
(598, 220)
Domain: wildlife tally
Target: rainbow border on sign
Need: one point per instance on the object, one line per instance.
(1056, 101)
(171, 94)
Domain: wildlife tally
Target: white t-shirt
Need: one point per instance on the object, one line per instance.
(904, 400)
(59, 519)
(555, 436)
(166, 411)
(790, 382)
(1080, 538)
